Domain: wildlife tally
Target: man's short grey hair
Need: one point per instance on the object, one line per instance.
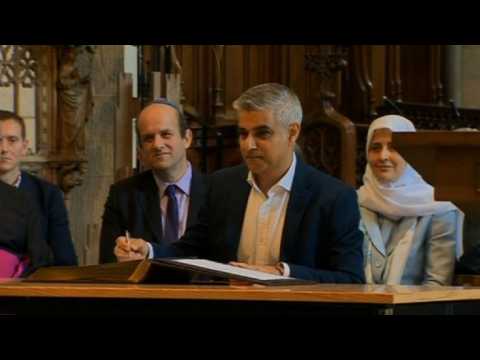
(278, 98)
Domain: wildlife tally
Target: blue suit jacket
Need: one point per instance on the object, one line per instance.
(20, 228)
(48, 200)
(133, 204)
(321, 237)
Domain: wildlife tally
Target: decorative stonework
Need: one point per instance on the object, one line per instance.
(71, 174)
(75, 101)
(60, 76)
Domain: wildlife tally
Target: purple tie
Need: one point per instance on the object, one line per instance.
(171, 218)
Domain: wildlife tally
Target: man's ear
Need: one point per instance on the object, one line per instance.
(293, 132)
(25, 147)
(188, 138)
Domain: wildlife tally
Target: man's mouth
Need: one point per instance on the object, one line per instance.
(254, 156)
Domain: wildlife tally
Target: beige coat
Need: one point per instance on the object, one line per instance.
(420, 250)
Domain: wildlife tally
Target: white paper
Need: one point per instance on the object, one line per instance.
(230, 269)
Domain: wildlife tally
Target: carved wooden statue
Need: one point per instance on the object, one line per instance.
(74, 97)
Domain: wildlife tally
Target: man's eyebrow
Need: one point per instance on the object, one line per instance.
(261, 127)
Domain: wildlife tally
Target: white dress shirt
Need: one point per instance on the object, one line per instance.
(18, 181)
(262, 229)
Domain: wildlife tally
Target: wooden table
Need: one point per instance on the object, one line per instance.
(19, 298)
(467, 280)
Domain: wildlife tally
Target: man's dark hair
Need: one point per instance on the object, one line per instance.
(8, 115)
(182, 122)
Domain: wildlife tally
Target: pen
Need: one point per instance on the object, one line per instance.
(127, 236)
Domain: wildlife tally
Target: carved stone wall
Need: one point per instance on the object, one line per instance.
(86, 202)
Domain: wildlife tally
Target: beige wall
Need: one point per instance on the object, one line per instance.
(470, 76)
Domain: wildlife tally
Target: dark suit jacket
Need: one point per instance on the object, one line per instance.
(55, 229)
(469, 263)
(321, 237)
(20, 230)
(133, 204)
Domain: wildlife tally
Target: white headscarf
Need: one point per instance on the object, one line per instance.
(408, 196)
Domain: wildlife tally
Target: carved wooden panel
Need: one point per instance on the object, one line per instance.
(412, 73)
(393, 79)
(328, 143)
(436, 117)
(213, 76)
(210, 86)
(416, 73)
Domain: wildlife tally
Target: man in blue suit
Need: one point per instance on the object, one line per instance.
(157, 205)
(22, 248)
(45, 197)
(276, 214)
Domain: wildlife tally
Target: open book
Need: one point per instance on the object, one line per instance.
(160, 271)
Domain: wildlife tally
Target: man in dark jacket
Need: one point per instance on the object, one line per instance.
(157, 205)
(275, 213)
(46, 198)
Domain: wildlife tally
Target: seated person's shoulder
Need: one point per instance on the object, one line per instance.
(9, 193)
(443, 223)
(14, 201)
(446, 218)
(43, 184)
(327, 184)
(134, 181)
(201, 177)
(228, 173)
(367, 214)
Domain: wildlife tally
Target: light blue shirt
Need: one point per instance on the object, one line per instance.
(182, 194)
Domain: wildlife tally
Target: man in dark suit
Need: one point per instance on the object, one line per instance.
(45, 197)
(20, 233)
(276, 214)
(157, 205)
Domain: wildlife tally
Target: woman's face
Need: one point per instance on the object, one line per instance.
(386, 163)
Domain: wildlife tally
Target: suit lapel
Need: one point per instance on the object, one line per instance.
(370, 221)
(197, 190)
(236, 211)
(29, 187)
(26, 183)
(404, 233)
(299, 198)
(149, 200)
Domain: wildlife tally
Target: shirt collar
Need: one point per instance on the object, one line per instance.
(183, 183)
(18, 181)
(285, 182)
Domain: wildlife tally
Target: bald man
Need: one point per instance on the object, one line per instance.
(160, 203)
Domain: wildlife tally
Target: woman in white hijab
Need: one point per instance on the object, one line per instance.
(410, 238)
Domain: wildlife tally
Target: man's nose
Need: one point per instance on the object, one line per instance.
(158, 142)
(251, 143)
(3, 146)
